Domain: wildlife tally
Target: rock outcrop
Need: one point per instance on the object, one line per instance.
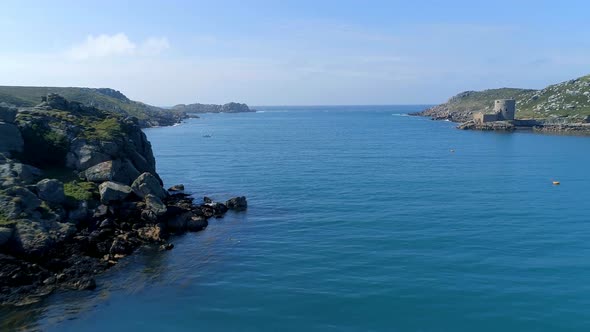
(78, 191)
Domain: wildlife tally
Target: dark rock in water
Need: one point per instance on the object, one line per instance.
(167, 246)
(207, 200)
(113, 192)
(196, 224)
(179, 223)
(237, 203)
(51, 190)
(178, 187)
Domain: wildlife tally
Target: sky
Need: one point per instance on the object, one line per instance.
(293, 52)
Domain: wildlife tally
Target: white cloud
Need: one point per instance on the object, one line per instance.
(119, 44)
(153, 46)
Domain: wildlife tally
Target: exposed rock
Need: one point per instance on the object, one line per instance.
(496, 126)
(35, 238)
(17, 201)
(177, 187)
(5, 235)
(152, 233)
(147, 184)
(121, 171)
(154, 204)
(80, 213)
(7, 114)
(196, 224)
(11, 139)
(13, 173)
(237, 203)
(51, 190)
(179, 222)
(113, 192)
(83, 155)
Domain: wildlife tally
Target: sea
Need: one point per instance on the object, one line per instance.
(360, 218)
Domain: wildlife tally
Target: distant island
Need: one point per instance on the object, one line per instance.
(563, 107)
(213, 108)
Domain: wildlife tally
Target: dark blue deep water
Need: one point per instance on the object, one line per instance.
(360, 219)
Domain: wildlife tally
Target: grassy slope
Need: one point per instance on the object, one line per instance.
(571, 98)
(31, 96)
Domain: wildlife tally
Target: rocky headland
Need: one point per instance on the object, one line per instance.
(559, 108)
(213, 108)
(79, 191)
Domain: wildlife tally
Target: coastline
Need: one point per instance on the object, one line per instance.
(79, 191)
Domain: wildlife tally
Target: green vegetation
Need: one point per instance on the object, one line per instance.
(571, 99)
(4, 221)
(106, 129)
(80, 191)
(105, 99)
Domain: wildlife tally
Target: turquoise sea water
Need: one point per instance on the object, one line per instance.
(360, 219)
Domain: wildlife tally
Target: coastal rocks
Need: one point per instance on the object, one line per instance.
(152, 233)
(5, 235)
(237, 203)
(176, 188)
(179, 223)
(51, 190)
(495, 126)
(83, 155)
(8, 114)
(121, 171)
(11, 139)
(154, 204)
(35, 238)
(147, 184)
(16, 201)
(113, 192)
(14, 173)
(196, 224)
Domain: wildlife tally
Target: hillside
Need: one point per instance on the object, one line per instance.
(105, 99)
(213, 108)
(569, 100)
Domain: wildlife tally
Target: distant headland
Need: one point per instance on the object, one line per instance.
(563, 108)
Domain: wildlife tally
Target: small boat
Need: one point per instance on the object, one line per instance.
(452, 150)
(207, 136)
(556, 183)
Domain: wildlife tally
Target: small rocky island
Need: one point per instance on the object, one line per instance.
(79, 191)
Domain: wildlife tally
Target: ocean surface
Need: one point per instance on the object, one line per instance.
(360, 219)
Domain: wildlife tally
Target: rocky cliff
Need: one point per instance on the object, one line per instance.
(78, 191)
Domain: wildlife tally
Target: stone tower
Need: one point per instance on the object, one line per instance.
(505, 109)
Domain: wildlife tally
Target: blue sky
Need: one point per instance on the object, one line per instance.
(293, 52)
